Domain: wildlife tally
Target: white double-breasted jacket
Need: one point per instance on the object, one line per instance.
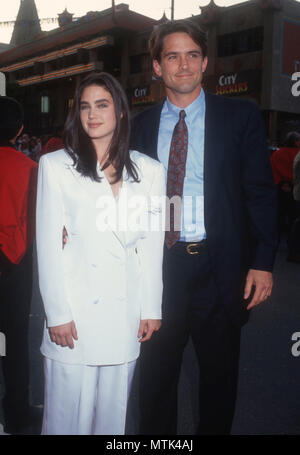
(108, 276)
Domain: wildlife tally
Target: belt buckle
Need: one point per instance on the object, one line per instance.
(191, 245)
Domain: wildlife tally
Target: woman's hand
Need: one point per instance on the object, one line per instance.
(64, 237)
(147, 327)
(63, 334)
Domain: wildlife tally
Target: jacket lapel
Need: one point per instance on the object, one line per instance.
(154, 130)
(144, 136)
(213, 151)
(101, 196)
(209, 144)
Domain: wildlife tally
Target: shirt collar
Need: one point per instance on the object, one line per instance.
(192, 110)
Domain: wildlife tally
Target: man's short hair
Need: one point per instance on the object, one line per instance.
(292, 138)
(11, 117)
(188, 26)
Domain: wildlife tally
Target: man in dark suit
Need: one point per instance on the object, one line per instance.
(219, 266)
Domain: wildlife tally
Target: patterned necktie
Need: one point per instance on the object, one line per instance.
(175, 178)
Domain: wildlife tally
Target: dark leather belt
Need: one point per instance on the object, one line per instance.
(190, 247)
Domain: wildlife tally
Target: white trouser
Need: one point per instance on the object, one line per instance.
(86, 400)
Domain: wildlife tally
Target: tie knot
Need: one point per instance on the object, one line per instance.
(182, 115)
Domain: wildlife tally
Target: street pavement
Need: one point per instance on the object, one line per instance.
(268, 400)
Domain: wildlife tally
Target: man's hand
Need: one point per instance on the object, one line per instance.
(63, 334)
(286, 187)
(263, 282)
(147, 327)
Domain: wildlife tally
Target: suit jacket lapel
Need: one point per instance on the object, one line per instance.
(144, 137)
(97, 191)
(154, 130)
(213, 156)
(209, 158)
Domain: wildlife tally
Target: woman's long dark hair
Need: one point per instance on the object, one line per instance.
(80, 146)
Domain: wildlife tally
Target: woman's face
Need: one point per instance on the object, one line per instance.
(97, 113)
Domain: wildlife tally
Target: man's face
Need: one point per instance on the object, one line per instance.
(181, 65)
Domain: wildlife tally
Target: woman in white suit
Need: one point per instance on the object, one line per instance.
(102, 289)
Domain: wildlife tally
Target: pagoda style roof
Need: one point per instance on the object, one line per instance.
(163, 19)
(65, 18)
(27, 26)
(85, 27)
(5, 47)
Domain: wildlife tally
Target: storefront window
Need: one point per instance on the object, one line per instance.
(250, 40)
(45, 104)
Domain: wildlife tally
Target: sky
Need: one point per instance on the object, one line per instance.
(151, 8)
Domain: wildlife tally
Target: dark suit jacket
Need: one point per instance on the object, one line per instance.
(239, 194)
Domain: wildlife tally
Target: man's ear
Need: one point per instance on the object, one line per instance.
(157, 68)
(204, 64)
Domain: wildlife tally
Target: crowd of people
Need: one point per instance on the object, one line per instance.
(34, 147)
(116, 294)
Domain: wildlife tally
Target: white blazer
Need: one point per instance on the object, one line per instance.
(104, 280)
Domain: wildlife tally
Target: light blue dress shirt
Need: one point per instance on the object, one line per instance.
(192, 217)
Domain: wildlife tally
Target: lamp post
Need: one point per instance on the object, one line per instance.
(113, 6)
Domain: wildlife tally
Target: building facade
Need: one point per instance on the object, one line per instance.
(254, 51)
(43, 73)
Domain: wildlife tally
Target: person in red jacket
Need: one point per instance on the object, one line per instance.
(18, 175)
(54, 143)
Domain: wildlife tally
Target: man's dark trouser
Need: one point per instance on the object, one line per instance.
(15, 298)
(190, 307)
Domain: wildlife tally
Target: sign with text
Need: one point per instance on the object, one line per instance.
(235, 83)
(141, 95)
